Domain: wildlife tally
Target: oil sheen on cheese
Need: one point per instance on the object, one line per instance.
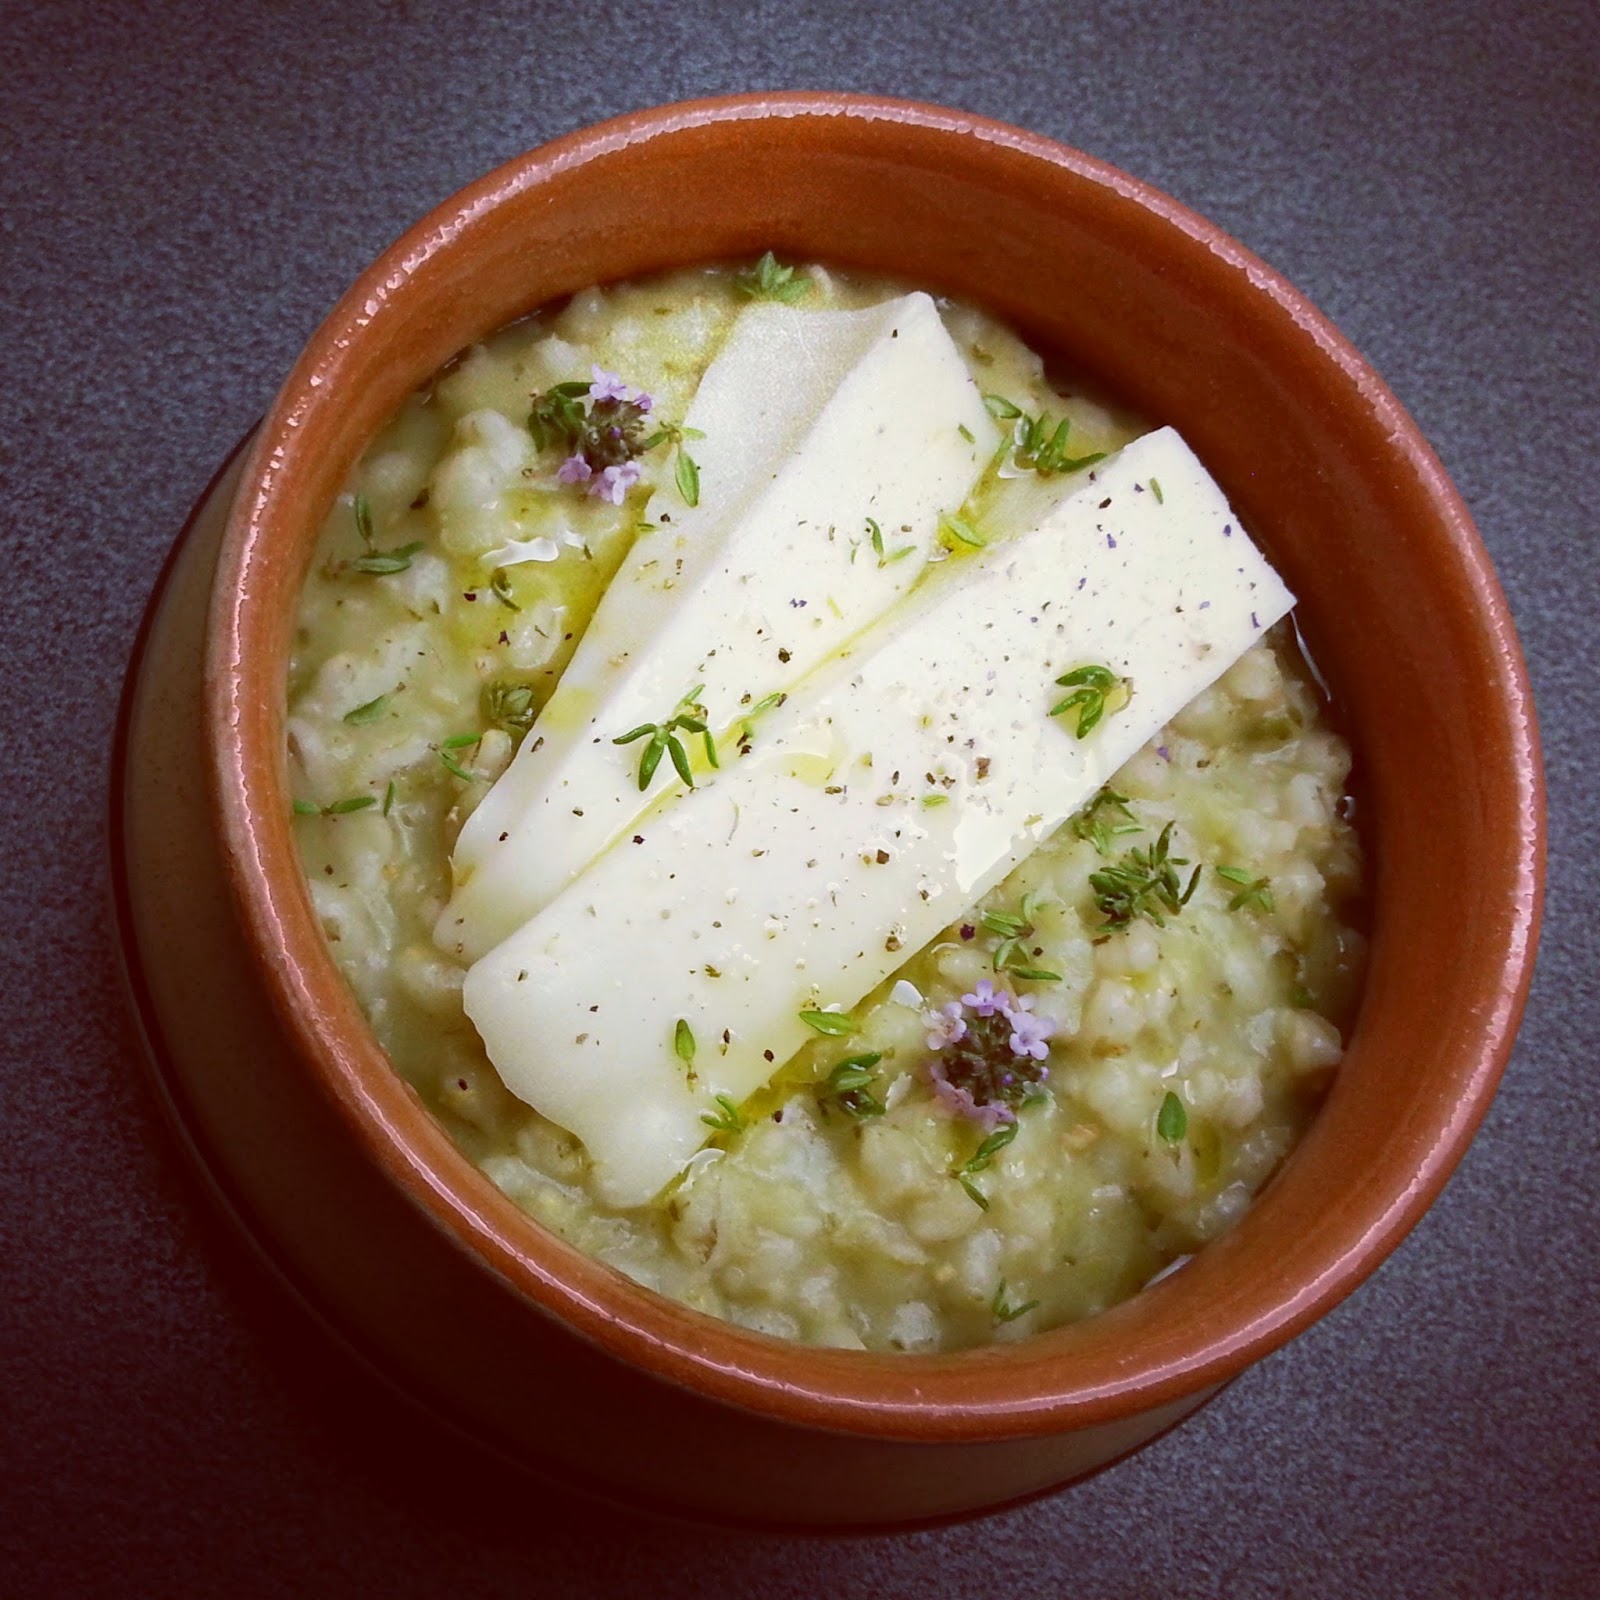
(804, 873)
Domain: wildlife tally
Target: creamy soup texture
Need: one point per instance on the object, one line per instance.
(1086, 1076)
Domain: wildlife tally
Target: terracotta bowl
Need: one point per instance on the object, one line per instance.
(330, 1161)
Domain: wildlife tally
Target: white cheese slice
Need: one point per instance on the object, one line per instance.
(813, 423)
(807, 872)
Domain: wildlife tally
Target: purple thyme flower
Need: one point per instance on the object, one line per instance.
(988, 1053)
(959, 1102)
(609, 386)
(945, 1024)
(614, 483)
(985, 1000)
(574, 470)
(1028, 1032)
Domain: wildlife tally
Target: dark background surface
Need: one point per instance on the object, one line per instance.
(184, 191)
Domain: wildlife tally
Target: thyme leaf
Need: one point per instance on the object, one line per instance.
(983, 1157)
(384, 563)
(370, 712)
(683, 1042)
(837, 1024)
(1172, 1121)
(952, 527)
(680, 759)
(687, 476)
(651, 758)
(768, 280)
(981, 1160)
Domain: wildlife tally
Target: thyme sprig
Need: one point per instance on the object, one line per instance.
(685, 471)
(1144, 883)
(1249, 891)
(459, 741)
(1039, 444)
(726, 1118)
(885, 557)
(851, 1086)
(509, 706)
(1103, 818)
(768, 280)
(1014, 932)
(558, 417)
(688, 717)
(600, 426)
(378, 563)
(1091, 686)
(981, 1160)
(335, 808)
(1003, 1312)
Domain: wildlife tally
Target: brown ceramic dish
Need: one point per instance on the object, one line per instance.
(361, 1199)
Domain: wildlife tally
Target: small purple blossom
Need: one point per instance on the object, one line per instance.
(988, 1048)
(959, 1102)
(1028, 1032)
(985, 1000)
(614, 483)
(609, 386)
(945, 1024)
(600, 430)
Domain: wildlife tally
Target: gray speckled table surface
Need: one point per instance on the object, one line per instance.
(184, 191)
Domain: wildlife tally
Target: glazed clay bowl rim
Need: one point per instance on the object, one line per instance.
(1195, 1328)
